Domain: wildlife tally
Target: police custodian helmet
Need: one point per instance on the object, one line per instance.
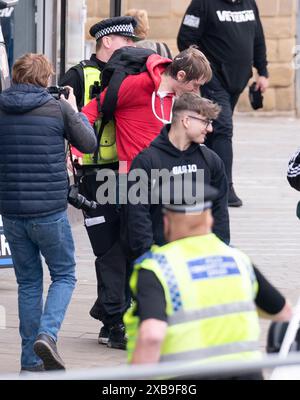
(123, 26)
(187, 196)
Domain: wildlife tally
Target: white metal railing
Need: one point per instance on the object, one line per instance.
(167, 370)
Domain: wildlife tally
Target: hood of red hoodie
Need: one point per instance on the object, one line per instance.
(156, 65)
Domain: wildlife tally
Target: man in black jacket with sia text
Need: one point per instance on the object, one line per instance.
(178, 149)
(230, 34)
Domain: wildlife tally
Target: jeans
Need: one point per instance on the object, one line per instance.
(29, 238)
(220, 140)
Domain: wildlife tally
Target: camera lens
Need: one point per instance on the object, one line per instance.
(80, 202)
(88, 205)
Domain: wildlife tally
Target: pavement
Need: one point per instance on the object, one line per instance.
(266, 228)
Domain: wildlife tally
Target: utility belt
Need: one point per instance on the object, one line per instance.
(102, 222)
(75, 198)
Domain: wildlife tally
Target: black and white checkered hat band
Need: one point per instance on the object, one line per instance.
(125, 29)
(188, 209)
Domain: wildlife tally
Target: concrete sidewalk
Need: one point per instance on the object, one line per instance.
(266, 228)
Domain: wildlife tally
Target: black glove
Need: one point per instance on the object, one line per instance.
(255, 96)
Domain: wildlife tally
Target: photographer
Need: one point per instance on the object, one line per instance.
(33, 202)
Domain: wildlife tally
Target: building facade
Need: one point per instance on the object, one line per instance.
(280, 20)
(40, 25)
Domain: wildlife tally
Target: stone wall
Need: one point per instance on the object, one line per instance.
(165, 16)
(279, 21)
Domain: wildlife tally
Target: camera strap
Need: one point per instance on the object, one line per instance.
(76, 180)
(69, 146)
(101, 130)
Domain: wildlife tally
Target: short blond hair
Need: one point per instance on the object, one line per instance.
(32, 68)
(143, 27)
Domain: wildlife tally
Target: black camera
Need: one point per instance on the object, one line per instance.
(78, 201)
(255, 96)
(58, 91)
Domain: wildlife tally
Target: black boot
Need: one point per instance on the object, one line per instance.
(103, 335)
(117, 338)
(233, 199)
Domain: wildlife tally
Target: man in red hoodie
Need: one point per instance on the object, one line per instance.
(145, 100)
(144, 106)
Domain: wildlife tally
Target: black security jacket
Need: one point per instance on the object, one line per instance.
(230, 34)
(145, 223)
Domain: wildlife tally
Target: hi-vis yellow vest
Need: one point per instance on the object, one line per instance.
(209, 290)
(108, 149)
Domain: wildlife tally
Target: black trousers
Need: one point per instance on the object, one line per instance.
(220, 140)
(112, 268)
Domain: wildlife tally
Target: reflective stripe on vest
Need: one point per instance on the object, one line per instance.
(216, 351)
(182, 317)
(108, 148)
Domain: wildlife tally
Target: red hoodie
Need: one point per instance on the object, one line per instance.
(136, 124)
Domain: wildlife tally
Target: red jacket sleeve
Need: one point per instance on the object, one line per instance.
(91, 111)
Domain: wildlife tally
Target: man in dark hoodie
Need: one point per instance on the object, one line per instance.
(179, 149)
(230, 34)
(33, 202)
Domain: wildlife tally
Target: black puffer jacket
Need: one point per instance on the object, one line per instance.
(33, 174)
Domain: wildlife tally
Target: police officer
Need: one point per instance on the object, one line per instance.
(195, 297)
(103, 224)
(230, 34)
(110, 34)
